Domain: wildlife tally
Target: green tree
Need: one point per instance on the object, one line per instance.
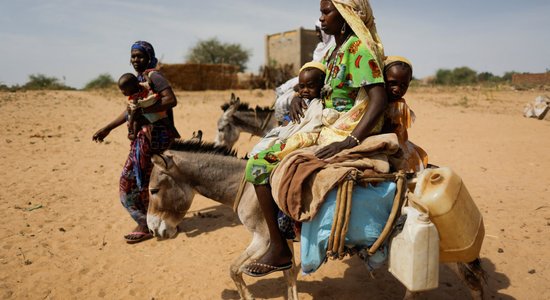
(487, 77)
(508, 76)
(101, 82)
(43, 82)
(443, 77)
(464, 75)
(212, 51)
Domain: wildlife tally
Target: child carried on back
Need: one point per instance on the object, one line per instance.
(140, 95)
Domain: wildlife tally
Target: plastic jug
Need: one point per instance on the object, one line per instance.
(454, 213)
(414, 252)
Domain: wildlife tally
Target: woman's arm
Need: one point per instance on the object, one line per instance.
(167, 100)
(167, 97)
(378, 103)
(297, 107)
(101, 134)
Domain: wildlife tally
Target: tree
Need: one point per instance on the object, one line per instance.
(464, 75)
(212, 51)
(487, 77)
(101, 82)
(508, 76)
(43, 82)
(443, 77)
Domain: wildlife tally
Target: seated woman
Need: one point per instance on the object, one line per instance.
(354, 87)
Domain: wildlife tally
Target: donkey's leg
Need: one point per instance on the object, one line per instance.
(256, 248)
(409, 295)
(291, 275)
(472, 275)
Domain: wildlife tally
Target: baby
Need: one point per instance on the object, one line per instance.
(139, 95)
(310, 82)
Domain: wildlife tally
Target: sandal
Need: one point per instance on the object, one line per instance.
(137, 236)
(251, 269)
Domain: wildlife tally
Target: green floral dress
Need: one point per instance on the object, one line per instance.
(351, 68)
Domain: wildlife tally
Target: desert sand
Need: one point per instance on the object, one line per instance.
(62, 224)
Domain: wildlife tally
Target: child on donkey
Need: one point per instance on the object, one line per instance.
(399, 117)
(310, 82)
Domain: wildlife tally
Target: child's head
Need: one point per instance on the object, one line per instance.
(397, 75)
(311, 80)
(129, 84)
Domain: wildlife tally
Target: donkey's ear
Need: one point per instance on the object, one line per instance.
(234, 100)
(159, 160)
(162, 160)
(197, 135)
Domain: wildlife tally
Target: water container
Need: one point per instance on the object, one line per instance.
(414, 253)
(454, 213)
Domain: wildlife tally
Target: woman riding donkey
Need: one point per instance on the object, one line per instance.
(354, 88)
(152, 138)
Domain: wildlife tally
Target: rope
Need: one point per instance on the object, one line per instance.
(397, 200)
(340, 223)
(336, 243)
(239, 195)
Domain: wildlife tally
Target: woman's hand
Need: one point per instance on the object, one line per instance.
(335, 148)
(297, 106)
(101, 134)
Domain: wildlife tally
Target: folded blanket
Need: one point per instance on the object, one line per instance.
(301, 181)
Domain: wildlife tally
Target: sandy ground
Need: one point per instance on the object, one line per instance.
(62, 223)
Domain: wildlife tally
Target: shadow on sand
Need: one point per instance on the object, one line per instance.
(208, 219)
(356, 283)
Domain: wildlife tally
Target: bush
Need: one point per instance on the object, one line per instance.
(212, 51)
(6, 88)
(467, 76)
(102, 81)
(43, 82)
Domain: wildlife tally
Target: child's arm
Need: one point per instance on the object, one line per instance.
(132, 115)
(101, 134)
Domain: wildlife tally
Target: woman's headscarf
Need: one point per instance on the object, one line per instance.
(359, 16)
(146, 48)
(327, 41)
(391, 60)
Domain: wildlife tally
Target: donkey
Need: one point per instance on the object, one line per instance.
(239, 117)
(191, 167)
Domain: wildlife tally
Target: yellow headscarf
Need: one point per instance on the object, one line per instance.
(359, 16)
(314, 64)
(393, 59)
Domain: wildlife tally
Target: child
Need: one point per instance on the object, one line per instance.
(139, 95)
(310, 82)
(399, 117)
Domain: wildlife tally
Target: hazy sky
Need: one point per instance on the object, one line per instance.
(77, 40)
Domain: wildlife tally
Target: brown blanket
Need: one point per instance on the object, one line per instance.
(301, 181)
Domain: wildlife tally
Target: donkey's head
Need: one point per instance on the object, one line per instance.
(169, 197)
(228, 133)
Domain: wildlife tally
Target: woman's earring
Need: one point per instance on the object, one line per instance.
(343, 30)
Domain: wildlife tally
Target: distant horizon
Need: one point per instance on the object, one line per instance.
(246, 72)
(76, 41)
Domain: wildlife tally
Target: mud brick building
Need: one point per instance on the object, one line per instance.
(293, 47)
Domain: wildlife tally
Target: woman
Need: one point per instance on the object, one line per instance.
(151, 139)
(353, 73)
